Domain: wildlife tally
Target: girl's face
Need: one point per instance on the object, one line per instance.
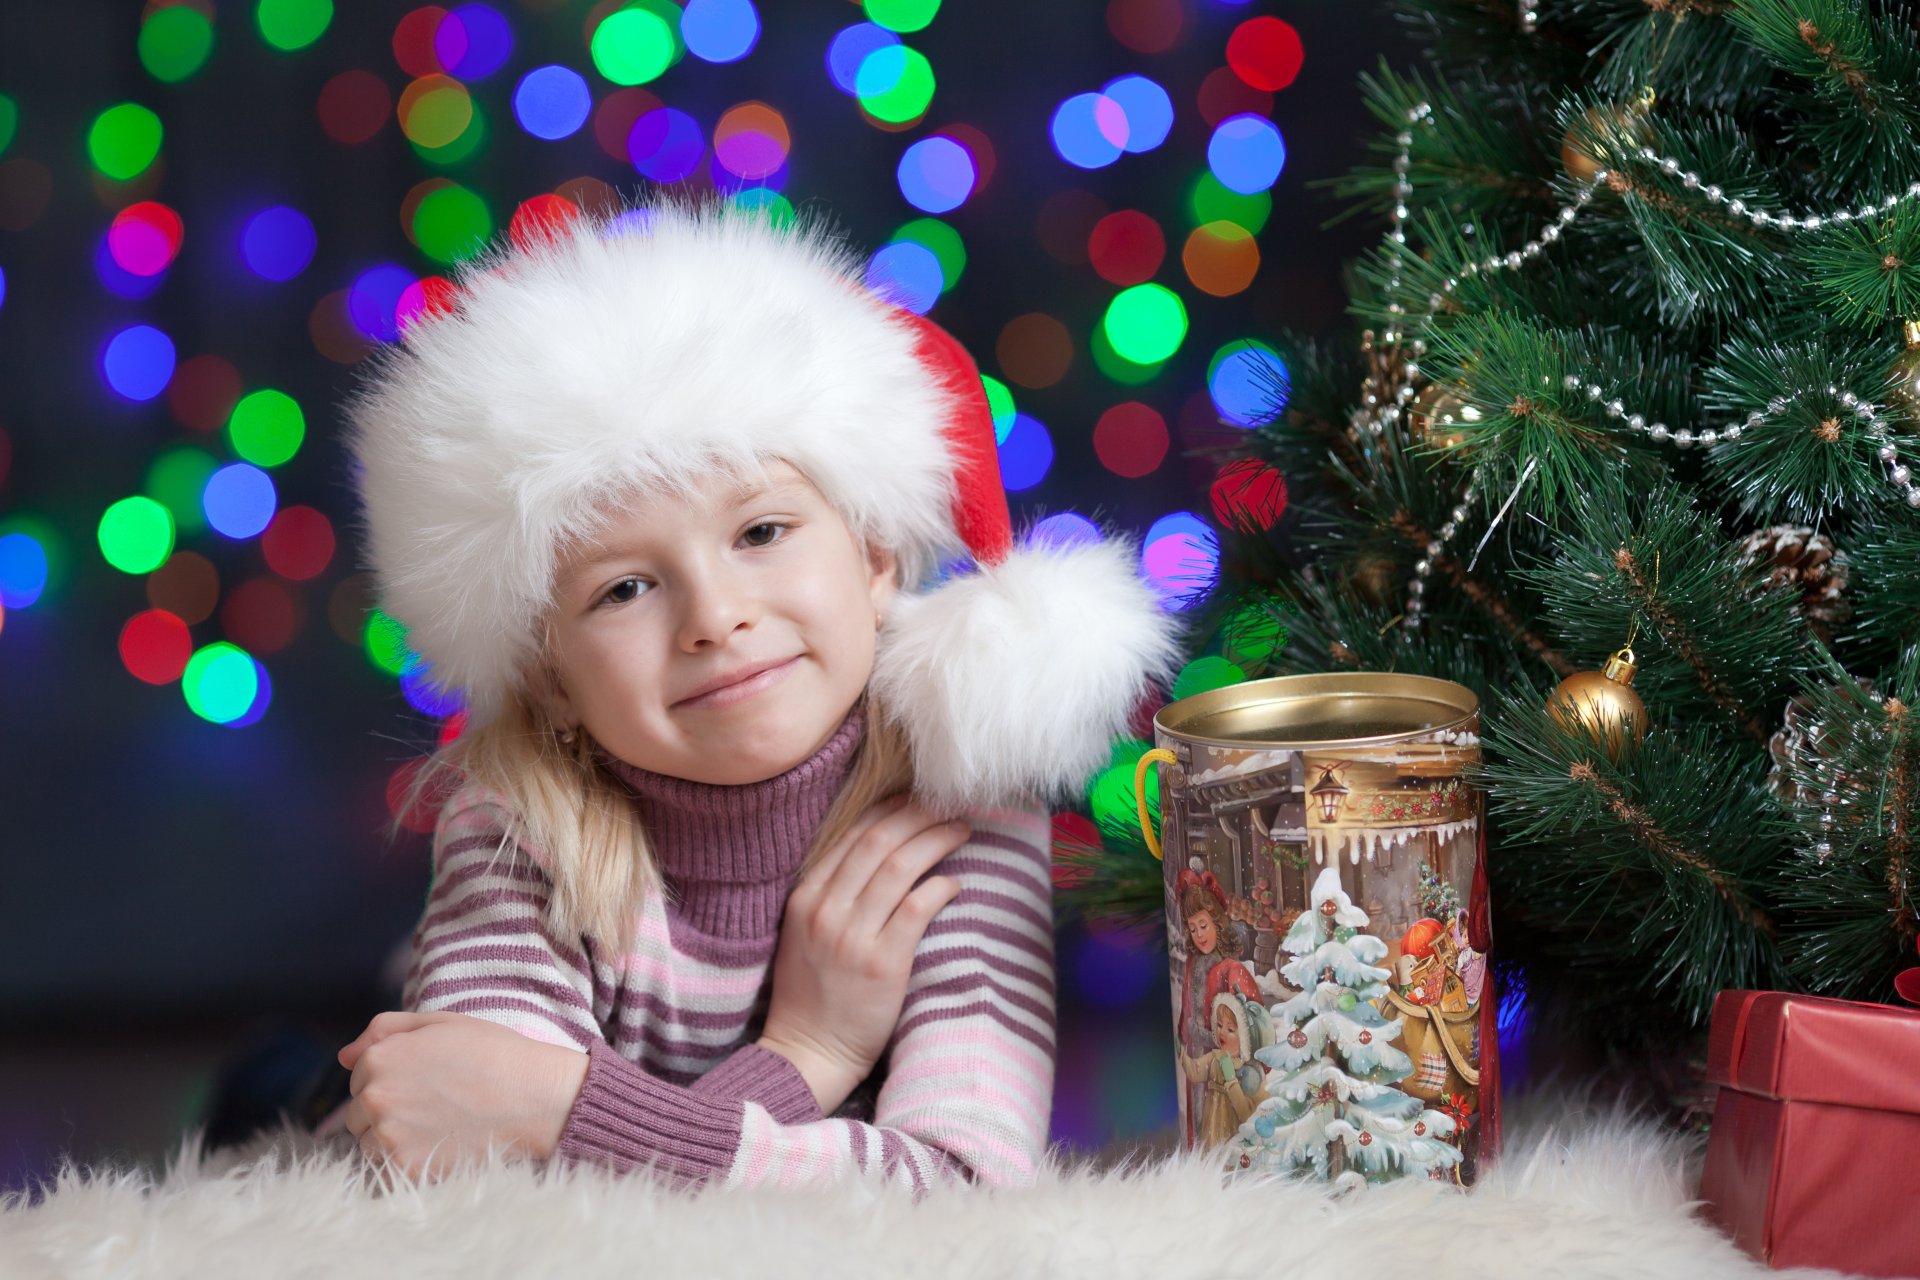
(1201, 929)
(1226, 1028)
(719, 636)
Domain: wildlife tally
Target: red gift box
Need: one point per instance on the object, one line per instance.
(1814, 1157)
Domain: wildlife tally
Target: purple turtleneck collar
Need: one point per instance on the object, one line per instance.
(729, 853)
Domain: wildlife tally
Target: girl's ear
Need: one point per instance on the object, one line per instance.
(549, 697)
(883, 582)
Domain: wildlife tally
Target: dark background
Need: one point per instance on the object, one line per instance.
(172, 890)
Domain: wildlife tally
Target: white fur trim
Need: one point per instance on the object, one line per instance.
(613, 361)
(1013, 679)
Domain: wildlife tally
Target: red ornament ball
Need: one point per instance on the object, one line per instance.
(1298, 1039)
(1248, 495)
(1366, 1037)
(1366, 1139)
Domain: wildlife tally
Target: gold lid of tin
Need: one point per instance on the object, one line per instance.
(1341, 709)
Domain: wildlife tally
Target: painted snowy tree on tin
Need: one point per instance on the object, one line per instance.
(1331, 1105)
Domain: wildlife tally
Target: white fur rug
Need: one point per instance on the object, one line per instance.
(1582, 1192)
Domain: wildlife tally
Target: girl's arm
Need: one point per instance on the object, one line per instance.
(970, 1082)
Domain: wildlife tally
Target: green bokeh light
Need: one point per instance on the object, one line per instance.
(452, 223)
(177, 479)
(9, 121)
(267, 427)
(943, 242)
(1211, 201)
(635, 45)
(1110, 796)
(136, 535)
(1251, 635)
(386, 642)
(174, 43)
(124, 140)
(461, 147)
(293, 24)
(1117, 367)
(1204, 673)
(1146, 323)
(895, 84)
(220, 682)
(902, 15)
(1000, 401)
(778, 208)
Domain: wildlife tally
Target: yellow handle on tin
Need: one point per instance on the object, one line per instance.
(1156, 756)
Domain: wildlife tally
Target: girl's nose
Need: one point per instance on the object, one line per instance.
(717, 603)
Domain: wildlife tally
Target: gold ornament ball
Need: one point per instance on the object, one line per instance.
(1599, 130)
(1905, 373)
(1602, 705)
(1436, 416)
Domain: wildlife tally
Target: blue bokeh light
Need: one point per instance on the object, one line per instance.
(278, 242)
(138, 362)
(427, 697)
(1064, 529)
(374, 300)
(1116, 970)
(23, 570)
(239, 500)
(552, 102)
(849, 51)
(907, 273)
(1089, 130)
(119, 281)
(1248, 384)
(1148, 109)
(666, 144)
(473, 41)
(1026, 454)
(262, 698)
(720, 30)
(936, 174)
(1179, 559)
(1246, 153)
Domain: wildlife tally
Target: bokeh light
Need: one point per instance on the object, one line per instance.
(1131, 439)
(1179, 558)
(239, 500)
(1147, 108)
(1266, 53)
(426, 695)
(374, 301)
(451, 222)
(634, 46)
(414, 48)
(1248, 381)
(262, 696)
(907, 273)
(473, 41)
(1212, 202)
(136, 535)
(751, 140)
(385, 640)
(1248, 495)
(187, 586)
(124, 140)
(540, 220)
(1034, 350)
(1064, 529)
(1127, 247)
(9, 121)
(431, 296)
(943, 242)
(1205, 673)
(354, 106)
(299, 544)
(138, 362)
(174, 42)
(936, 174)
(144, 238)
(278, 243)
(435, 112)
(293, 24)
(176, 480)
(848, 51)
(1000, 404)
(902, 15)
(1146, 324)
(267, 428)
(1221, 258)
(895, 84)
(666, 145)
(720, 30)
(24, 569)
(219, 682)
(260, 615)
(1146, 26)
(203, 392)
(1089, 130)
(1246, 153)
(552, 102)
(1026, 455)
(155, 646)
(1223, 94)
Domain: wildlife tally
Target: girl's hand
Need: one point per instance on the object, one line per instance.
(438, 1088)
(847, 943)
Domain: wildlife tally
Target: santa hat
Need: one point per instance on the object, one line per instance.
(616, 355)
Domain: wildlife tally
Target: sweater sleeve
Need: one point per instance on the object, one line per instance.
(969, 1086)
(483, 948)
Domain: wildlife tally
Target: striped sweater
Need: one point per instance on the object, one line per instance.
(674, 1079)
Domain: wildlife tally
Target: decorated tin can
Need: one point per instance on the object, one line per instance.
(1327, 922)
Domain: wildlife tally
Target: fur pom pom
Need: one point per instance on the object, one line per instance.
(997, 699)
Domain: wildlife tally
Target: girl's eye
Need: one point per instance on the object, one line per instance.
(761, 535)
(622, 591)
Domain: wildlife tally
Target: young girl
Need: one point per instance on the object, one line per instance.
(1212, 966)
(746, 874)
(1231, 1081)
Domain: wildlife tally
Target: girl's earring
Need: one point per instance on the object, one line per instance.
(566, 737)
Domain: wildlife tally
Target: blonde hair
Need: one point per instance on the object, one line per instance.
(564, 801)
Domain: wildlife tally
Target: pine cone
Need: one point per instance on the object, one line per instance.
(1795, 554)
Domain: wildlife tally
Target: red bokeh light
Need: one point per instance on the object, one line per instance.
(299, 544)
(354, 106)
(1248, 495)
(155, 646)
(1130, 439)
(1266, 53)
(1127, 247)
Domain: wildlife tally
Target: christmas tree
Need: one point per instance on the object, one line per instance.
(1331, 1105)
(1639, 372)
